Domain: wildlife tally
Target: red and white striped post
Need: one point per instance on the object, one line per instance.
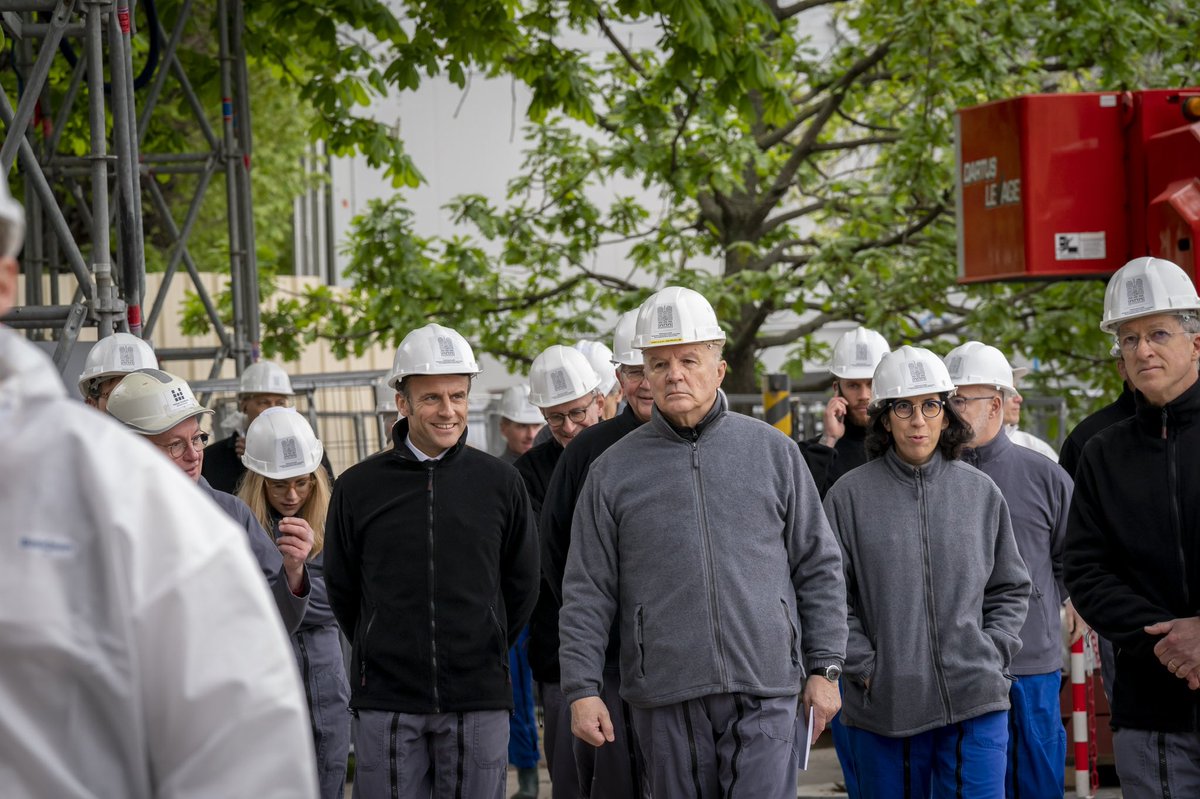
(1079, 720)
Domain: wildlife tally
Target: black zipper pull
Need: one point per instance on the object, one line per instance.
(1164, 424)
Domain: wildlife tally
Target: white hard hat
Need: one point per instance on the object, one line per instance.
(601, 359)
(908, 372)
(560, 374)
(281, 444)
(12, 222)
(624, 353)
(516, 407)
(432, 350)
(150, 401)
(1144, 287)
(676, 315)
(265, 377)
(113, 356)
(857, 353)
(977, 364)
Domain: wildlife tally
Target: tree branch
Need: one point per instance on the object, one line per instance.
(612, 38)
(781, 13)
(776, 253)
(852, 144)
(787, 216)
(797, 332)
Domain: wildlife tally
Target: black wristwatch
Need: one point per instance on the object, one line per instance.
(831, 673)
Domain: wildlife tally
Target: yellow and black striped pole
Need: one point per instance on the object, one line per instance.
(777, 410)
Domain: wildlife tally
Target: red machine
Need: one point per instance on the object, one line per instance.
(1060, 186)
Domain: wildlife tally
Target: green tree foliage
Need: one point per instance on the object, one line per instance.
(794, 185)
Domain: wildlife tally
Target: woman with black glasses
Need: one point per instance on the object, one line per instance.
(937, 594)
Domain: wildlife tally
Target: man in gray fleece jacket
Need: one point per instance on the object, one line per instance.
(701, 533)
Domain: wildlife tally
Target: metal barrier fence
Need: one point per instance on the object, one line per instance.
(353, 412)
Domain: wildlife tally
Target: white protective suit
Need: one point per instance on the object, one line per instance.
(140, 654)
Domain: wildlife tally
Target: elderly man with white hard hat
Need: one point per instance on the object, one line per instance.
(1038, 494)
(142, 656)
(162, 408)
(431, 562)
(1132, 562)
(701, 534)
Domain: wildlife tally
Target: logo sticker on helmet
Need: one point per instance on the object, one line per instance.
(126, 357)
(666, 317)
(1138, 294)
(916, 371)
(560, 383)
(289, 452)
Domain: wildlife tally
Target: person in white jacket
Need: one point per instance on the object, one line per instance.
(141, 654)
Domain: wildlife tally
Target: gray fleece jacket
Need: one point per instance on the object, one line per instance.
(1038, 494)
(709, 548)
(937, 593)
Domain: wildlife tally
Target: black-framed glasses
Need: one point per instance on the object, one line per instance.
(930, 408)
(960, 403)
(576, 415)
(176, 448)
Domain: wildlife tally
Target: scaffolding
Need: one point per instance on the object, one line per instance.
(108, 185)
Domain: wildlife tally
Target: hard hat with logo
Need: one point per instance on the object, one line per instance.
(624, 353)
(977, 364)
(676, 315)
(857, 353)
(265, 377)
(281, 444)
(432, 350)
(151, 401)
(908, 372)
(12, 222)
(601, 359)
(113, 356)
(560, 374)
(1144, 287)
(516, 407)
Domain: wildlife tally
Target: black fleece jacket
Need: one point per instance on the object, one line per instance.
(1133, 552)
(1120, 409)
(827, 464)
(432, 570)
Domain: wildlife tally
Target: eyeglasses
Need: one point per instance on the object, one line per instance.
(634, 373)
(576, 415)
(1155, 338)
(281, 488)
(176, 448)
(929, 408)
(960, 403)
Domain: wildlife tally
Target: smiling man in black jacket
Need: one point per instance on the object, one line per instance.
(431, 562)
(1132, 560)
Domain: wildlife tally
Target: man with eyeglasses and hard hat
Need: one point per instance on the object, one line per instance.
(1132, 561)
(142, 657)
(1038, 494)
(431, 562)
(109, 360)
(607, 772)
(563, 386)
(161, 408)
(840, 447)
(702, 534)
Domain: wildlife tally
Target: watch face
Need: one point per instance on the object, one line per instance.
(831, 673)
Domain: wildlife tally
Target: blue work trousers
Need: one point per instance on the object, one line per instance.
(522, 725)
(1037, 739)
(964, 761)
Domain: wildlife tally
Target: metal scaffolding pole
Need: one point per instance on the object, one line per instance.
(85, 214)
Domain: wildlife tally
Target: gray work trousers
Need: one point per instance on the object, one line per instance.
(557, 741)
(615, 770)
(722, 746)
(419, 755)
(1157, 765)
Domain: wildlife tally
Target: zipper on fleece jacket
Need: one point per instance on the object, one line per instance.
(931, 612)
(437, 705)
(706, 541)
(1176, 514)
